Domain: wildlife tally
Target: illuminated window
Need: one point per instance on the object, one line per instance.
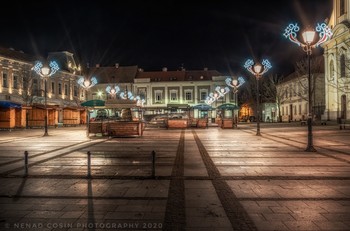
(203, 94)
(173, 95)
(4, 79)
(15, 82)
(158, 96)
(188, 95)
(53, 87)
(66, 89)
(60, 88)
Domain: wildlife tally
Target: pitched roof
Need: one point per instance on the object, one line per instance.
(17, 55)
(118, 74)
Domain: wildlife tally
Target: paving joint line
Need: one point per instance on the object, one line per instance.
(235, 212)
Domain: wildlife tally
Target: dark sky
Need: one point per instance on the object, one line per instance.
(216, 34)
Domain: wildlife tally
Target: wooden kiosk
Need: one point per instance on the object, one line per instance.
(73, 116)
(178, 116)
(228, 119)
(11, 115)
(36, 116)
(124, 119)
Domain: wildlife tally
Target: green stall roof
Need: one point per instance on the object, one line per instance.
(93, 103)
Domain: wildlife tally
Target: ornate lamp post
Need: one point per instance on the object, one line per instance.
(235, 84)
(86, 84)
(45, 72)
(112, 91)
(258, 70)
(309, 42)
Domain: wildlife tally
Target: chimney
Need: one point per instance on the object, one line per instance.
(117, 65)
(140, 70)
(205, 69)
(97, 65)
(164, 69)
(88, 65)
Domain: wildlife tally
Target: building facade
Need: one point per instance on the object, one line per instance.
(293, 97)
(337, 63)
(21, 85)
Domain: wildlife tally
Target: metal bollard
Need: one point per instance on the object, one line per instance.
(153, 164)
(89, 164)
(25, 163)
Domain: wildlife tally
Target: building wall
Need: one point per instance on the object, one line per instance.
(294, 98)
(337, 80)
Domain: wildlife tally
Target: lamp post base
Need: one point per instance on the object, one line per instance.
(310, 149)
(310, 146)
(46, 129)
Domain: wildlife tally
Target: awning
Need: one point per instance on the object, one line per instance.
(228, 106)
(202, 107)
(93, 103)
(181, 106)
(8, 104)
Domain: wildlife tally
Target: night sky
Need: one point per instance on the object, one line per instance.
(216, 34)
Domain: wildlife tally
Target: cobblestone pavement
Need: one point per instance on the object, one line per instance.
(205, 179)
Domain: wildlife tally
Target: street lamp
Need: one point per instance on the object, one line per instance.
(258, 70)
(45, 72)
(86, 84)
(309, 36)
(235, 84)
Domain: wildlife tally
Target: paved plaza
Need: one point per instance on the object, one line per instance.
(203, 179)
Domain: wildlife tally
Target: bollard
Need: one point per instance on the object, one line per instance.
(25, 163)
(89, 164)
(153, 164)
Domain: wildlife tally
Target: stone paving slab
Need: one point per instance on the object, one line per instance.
(225, 173)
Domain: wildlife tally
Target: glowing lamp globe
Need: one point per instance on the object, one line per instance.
(87, 83)
(309, 36)
(45, 71)
(257, 68)
(235, 82)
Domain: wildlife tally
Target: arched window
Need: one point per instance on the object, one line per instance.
(342, 65)
(342, 7)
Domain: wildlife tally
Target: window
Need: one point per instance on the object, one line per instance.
(4, 79)
(158, 96)
(300, 109)
(15, 82)
(53, 87)
(75, 91)
(173, 95)
(203, 94)
(342, 65)
(142, 92)
(65, 89)
(295, 110)
(188, 95)
(283, 111)
(60, 88)
(342, 7)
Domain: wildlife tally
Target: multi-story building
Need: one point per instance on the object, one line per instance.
(337, 63)
(20, 86)
(293, 97)
(164, 91)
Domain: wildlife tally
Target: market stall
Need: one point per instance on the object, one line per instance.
(199, 115)
(115, 117)
(228, 119)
